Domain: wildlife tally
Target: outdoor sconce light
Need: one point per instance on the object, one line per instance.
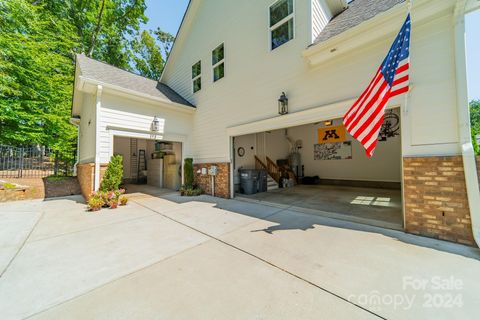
(156, 124)
(283, 104)
(328, 123)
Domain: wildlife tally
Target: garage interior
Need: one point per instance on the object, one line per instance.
(149, 163)
(307, 171)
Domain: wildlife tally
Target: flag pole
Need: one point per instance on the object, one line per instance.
(407, 94)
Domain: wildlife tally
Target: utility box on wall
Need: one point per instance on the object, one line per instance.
(213, 171)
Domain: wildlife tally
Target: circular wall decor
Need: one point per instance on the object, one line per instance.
(241, 152)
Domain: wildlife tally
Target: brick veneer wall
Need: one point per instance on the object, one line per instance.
(86, 177)
(222, 180)
(436, 203)
(66, 187)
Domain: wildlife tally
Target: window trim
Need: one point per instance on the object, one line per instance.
(218, 63)
(280, 23)
(199, 76)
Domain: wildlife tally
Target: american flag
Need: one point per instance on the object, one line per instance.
(365, 117)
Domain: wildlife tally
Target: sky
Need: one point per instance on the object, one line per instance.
(168, 14)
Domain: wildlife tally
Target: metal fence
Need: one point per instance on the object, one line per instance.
(32, 162)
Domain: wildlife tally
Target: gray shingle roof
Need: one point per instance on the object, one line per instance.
(106, 73)
(357, 12)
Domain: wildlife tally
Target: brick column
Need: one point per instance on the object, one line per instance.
(86, 177)
(222, 180)
(435, 196)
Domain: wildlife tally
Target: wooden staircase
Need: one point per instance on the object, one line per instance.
(274, 172)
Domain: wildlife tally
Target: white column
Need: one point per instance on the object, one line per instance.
(470, 168)
(98, 105)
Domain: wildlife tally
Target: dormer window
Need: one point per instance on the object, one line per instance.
(218, 63)
(197, 76)
(281, 23)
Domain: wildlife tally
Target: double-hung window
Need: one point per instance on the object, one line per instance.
(197, 76)
(281, 23)
(218, 62)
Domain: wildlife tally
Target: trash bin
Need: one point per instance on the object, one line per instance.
(262, 181)
(249, 181)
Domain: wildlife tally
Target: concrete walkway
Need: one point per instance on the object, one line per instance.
(168, 257)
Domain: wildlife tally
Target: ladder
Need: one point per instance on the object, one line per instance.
(133, 159)
(142, 166)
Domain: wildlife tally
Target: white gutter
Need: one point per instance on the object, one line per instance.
(469, 164)
(98, 105)
(76, 123)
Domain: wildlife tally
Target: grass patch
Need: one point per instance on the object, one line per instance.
(57, 178)
(9, 186)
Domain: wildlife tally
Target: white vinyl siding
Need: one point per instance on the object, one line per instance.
(320, 18)
(257, 77)
(118, 112)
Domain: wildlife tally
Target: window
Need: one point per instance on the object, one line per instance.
(281, 23)
(197, 76)
(218, 63)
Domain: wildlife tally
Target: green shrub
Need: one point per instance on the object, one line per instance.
(190, 192)
(188, 173)
(113, 176)
(95, 203)
(476, 148)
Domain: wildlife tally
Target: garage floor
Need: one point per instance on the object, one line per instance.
(373, 206)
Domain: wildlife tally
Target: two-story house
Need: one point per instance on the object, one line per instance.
(265, 84)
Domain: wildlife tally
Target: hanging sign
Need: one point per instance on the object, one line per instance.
(331, 134)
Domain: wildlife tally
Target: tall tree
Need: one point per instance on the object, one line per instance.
(105, 28)
(36, 75)
(166, 39)
(148, 58)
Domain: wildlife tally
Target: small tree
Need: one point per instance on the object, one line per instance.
(113, 176)
(188, 172)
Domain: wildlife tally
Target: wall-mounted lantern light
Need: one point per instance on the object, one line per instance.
(328, 123)
(283, 104)
(156, 124)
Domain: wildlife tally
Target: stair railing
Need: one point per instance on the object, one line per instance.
(273, 170)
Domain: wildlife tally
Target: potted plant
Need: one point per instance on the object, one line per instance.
(123, 201)
(95, 202)
(113, 203)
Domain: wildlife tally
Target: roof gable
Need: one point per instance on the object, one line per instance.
(105, 73)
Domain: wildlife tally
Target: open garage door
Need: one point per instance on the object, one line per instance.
(320, 168)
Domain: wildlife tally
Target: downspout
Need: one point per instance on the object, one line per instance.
(98, 105)
(470, 168)
(76, 123)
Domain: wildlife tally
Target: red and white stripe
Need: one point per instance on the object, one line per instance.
(364, 119)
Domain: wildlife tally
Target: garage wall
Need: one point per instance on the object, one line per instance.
(121, 145)
(87, 129)
(246, 142)
(134, 116)
(385, 165)
(276, 145)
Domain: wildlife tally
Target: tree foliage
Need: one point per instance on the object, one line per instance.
(38, 43)
(113, 175)
(475, 123)
(36, 76)
(148, 59)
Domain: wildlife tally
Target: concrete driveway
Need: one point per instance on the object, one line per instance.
(168, 257)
